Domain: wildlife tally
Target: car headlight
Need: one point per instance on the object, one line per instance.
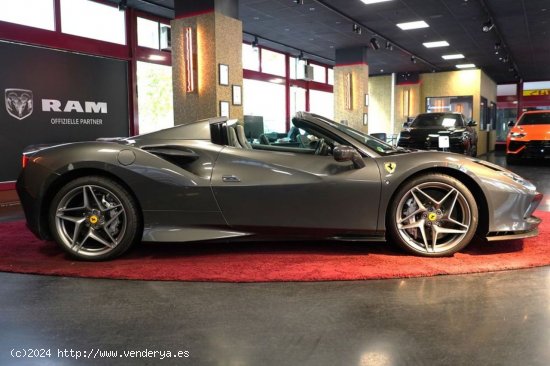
(518, 134)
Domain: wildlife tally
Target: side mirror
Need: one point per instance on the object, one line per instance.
(343, 153)
(511, 123)
(472, 123)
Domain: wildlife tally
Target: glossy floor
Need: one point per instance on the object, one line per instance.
(495, 318)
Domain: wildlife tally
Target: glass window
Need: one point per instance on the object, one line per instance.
(33, 13)
(504, 116)
(93, 20)
(272, 109)
(273, 63)
(462, 105)
(148, 33)
(155, 103)
(319, 73)
(297, 100)
(330, 80)
(321, 103)
(251, 57)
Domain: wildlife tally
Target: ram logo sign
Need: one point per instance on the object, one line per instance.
(52, 105)
(19, 103)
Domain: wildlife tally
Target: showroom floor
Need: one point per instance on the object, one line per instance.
(500, 318)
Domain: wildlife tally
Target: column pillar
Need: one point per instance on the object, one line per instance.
(216, 39)
(351, 84)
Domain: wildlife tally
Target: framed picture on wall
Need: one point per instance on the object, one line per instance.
(237, 94)
(224, 74)
(365, 119)
(224, 108)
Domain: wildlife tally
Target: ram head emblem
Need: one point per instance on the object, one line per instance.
(19, 103)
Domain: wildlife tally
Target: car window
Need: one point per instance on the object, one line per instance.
(371, 142)
(436, 120)
(535, 119)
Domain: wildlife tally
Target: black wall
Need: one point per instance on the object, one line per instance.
(64, 77)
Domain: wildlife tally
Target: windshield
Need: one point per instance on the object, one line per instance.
(436, 120)
(371, 142)
(535, 119)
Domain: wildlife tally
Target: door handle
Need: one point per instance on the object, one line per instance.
(230, 179)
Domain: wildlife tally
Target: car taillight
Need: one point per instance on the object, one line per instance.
(24, 161)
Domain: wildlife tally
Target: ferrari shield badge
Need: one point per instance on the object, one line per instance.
(19, 103)
(390, 167)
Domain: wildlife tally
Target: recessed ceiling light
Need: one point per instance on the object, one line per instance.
(413, 25)
(373, 1)
(453, 57)
(465, 66)
(436, 44)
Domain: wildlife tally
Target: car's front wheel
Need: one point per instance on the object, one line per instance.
(433, 215)
(94, 218)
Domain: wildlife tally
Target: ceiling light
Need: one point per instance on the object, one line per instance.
(436, 44)
(389, 46)
(413, 25)
(356, 29)
(488, 26)
(465, 66)
(299, 2)
(373, 1)
(374, 43)
(453, 57)
(413, 59)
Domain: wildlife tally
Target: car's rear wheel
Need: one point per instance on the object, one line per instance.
(433, 215)
(94, 218)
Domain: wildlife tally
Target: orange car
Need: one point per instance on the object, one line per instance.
(529, 137)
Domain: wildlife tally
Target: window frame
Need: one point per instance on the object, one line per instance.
(287, 81)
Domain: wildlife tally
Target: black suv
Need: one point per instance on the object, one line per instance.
(425, 130)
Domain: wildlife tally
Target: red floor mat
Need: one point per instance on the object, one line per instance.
(21, 252)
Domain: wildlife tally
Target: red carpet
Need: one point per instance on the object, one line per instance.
(21, 252)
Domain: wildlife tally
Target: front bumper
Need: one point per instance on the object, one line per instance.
(536, 149)
(511, 235)
(527, 228)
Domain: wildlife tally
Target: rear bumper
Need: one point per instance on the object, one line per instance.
(31, 188)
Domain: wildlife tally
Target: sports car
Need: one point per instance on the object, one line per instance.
(529, 137)
(204, 181)
(425, 130)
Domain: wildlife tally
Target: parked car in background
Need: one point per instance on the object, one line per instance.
(424, 131)
(529, 137)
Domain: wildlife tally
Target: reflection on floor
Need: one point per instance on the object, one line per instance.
(496, 318)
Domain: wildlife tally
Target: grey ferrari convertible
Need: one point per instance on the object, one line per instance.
(205, 181)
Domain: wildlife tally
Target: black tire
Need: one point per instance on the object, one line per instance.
(473, 151)
(103, 228)
(412, 211)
